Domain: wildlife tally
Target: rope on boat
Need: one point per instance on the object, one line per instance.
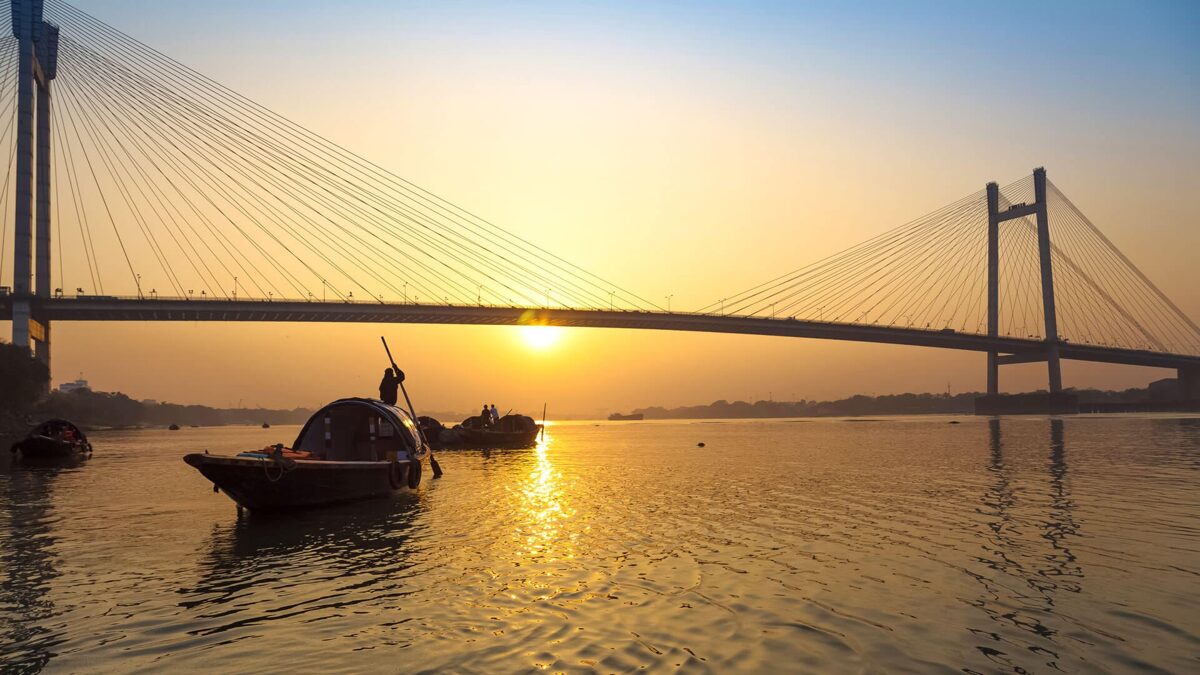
(286, 465)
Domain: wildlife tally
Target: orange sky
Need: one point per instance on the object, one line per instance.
(677, 153)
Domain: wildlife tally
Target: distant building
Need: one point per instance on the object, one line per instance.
(68, 387)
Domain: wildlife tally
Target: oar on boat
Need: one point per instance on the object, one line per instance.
(437, 470)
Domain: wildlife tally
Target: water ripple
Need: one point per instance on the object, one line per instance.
(1025, 545)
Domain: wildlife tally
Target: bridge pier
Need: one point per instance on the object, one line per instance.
(37, 63)
(1043, 234)
(993, 272)
(1040, 212)
(26, 16)
(47, 65)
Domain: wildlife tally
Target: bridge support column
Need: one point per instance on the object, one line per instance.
(47, 61)
(993, 271)
(1051, 320)
(26, 19)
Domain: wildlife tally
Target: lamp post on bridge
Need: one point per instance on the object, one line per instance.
(669, 302)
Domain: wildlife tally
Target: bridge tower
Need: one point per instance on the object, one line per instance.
(1039, 210)
(37, 65)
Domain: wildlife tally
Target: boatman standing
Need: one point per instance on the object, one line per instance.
(389, 385)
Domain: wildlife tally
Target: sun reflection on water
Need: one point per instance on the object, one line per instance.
(542, 532)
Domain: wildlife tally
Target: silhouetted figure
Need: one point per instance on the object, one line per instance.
(495, 415)
(485, 416)
(389, 386)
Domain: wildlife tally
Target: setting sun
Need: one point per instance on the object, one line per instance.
(540, 337)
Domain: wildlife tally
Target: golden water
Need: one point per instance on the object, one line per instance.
(912, 544)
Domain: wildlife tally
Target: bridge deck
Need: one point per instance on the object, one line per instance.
(145, 309)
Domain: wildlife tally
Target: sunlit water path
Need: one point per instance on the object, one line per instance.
(916, 544)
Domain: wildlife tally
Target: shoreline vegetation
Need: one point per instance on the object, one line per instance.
(114, 410)
(24, 378)
(862, 405)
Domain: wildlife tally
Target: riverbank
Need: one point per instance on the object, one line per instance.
(1157, 395)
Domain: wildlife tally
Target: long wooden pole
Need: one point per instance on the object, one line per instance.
(437, 470)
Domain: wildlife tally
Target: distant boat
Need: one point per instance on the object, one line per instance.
(266, 425)
(631, 417)
(173, 427)
(349, 450)
(53, 438)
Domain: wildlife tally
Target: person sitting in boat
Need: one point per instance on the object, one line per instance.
(495, 415)
(389, 385)
(485, 416)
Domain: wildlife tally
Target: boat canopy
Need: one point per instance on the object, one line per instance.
(56, 428)
(361, 430)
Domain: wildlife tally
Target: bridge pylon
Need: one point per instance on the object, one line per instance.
(1040, 212)
(37, 65)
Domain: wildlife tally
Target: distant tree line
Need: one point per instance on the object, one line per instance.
(23, 400)
(114, 409)
(856, 406)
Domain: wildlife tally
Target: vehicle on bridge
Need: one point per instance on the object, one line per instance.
(350, 450)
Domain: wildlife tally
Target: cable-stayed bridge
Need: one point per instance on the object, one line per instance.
(141, 190)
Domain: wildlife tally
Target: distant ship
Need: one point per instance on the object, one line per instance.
(631, 417)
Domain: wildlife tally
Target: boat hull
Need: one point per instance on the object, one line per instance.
(487, 438)
(271, 485)
(36, 446)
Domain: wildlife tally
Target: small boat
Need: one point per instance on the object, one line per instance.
(53, 438)
(513, 431)
(173, 427)
(631, 417)
(266, 425)
(349, 450)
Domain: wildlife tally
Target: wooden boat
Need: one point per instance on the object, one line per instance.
(350, 450)
(513, 431)
(53, 438)
(631, 417)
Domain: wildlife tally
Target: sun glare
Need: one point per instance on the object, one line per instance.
(540, 337)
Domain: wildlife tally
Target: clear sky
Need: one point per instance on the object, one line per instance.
(684, 149)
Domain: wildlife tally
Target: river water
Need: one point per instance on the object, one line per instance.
(901, 544)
